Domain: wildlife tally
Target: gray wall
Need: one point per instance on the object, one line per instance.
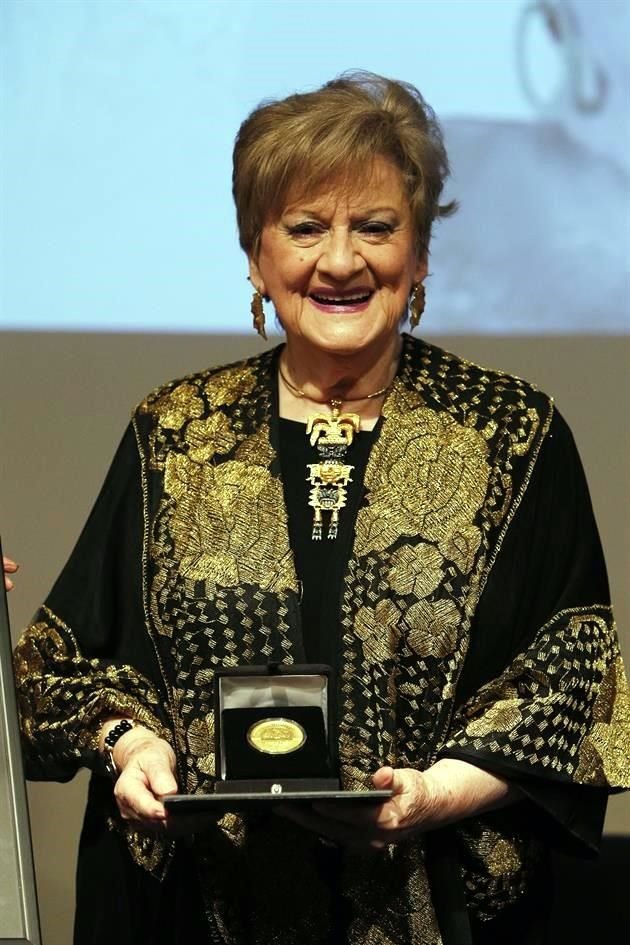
(65, 399)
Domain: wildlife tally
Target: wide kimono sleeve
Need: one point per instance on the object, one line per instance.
(543, 698)
(87, 654)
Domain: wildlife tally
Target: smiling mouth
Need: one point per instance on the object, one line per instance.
(355, 298)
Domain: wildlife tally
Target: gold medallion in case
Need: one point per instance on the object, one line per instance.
(276, 736)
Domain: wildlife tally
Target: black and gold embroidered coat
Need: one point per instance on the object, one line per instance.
(473, 622)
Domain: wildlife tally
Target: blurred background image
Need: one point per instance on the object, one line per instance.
(118, 119)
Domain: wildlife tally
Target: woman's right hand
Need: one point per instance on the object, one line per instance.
(147, 772)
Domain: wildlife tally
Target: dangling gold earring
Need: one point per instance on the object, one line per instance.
(416, 304)
(258, 314)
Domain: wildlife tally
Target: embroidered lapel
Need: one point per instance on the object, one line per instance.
(439, 490)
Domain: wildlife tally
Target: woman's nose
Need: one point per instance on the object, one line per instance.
(339, 258)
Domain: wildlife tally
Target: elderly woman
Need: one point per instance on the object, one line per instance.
(361, 499)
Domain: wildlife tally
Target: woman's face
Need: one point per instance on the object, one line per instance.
(339, 265)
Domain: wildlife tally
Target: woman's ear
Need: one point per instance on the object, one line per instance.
(255, 276)
(422, 267)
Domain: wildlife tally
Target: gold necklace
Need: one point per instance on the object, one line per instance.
(331, 436)
(346, 400)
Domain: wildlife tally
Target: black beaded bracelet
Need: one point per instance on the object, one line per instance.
(116, 731)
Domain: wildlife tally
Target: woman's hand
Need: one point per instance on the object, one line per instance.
(9, 567)
(448, 791)
(147, 773)
(410, 809)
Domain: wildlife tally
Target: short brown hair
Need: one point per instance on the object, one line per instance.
(311, 138)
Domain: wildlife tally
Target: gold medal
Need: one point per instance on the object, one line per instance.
(276, 736)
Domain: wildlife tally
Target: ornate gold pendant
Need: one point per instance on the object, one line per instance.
(328, 494)
(332, 434)
(337, 429)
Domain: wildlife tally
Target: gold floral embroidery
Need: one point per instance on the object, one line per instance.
(28, 661)
(226, 387)
(200, 738)
(416, 570)
(256, 448)
(423, 923)
(176, 406)
(605, 752)
(462, 546)
(427, 476)
(433, 627)
(209, 436)
(234, 828)
(503, 716)
(499, 861)
(61, 691)
(395, 897)
(503, 858)
(378, 630)
(564, 702)
(228, 524)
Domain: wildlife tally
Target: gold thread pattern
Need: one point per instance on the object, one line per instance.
(200, 742)
(461, 547)
(177, 406)
(63, 698)
(502, 716)
(503, 858)
(416, 569)
(256, 448)
(230, 385)
(433, 627)
(604, 756)
(429, 477)
(209, 436)
(378, 629)
(228, 524)
(567, 691)
(499, 860)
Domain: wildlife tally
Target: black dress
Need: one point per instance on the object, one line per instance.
(467, 581)
(507, 614)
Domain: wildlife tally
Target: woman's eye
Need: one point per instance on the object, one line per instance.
(305, 229)
(375, 228)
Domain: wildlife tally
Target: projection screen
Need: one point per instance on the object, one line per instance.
(119, 118)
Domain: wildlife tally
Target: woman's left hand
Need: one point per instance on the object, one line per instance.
(408, 810)
(421, 800)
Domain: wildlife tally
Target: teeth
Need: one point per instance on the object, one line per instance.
(345, 299)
